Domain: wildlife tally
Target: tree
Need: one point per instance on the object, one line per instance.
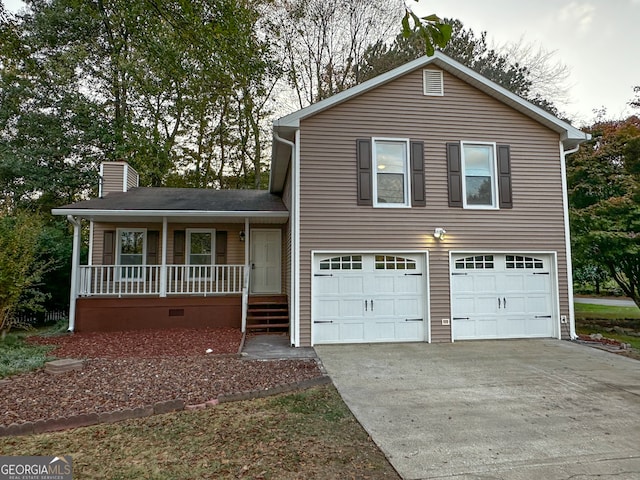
(173, 87)
(505, 67)
(604, 193)
(22, 266)
(322, 41)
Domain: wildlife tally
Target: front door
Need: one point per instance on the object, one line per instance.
(266, 261)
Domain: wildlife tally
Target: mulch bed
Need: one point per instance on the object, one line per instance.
(135, 369)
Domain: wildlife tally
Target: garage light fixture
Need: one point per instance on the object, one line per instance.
(439, 233)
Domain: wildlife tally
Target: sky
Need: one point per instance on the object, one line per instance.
(598, 40)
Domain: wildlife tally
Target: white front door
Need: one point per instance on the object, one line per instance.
(266, 261)
(368, 298)
(501, 296)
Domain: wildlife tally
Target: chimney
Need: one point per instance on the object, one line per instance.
(116, 177)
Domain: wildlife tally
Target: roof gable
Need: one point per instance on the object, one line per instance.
(286, 126)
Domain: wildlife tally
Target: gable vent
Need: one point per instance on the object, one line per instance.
(433, 83)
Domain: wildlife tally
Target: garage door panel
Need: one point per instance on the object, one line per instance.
(368, 298)
(408, 330)
(509, 297)
(350, 285)
(326, 332)
(537, 283)
(351, 331)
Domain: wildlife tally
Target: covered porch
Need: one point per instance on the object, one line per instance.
(163, 258)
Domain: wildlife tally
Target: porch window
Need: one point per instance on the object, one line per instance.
(200, 248)
(131, 252)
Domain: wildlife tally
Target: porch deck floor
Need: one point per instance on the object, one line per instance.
(273, 347)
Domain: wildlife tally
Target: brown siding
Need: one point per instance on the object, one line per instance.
(286, 240)
(332, 220)
(112, 177)
(235, 248)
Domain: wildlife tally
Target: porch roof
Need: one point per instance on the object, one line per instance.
(192, 204)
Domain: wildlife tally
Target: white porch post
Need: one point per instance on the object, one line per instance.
(246, 281)
(163, 268)
(75, 265)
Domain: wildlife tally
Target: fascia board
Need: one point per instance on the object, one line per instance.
(166, 213)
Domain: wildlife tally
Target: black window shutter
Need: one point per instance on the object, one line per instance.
(153, 242)
(504, 176)
(454, 172)
(365, 179)
(178, 247)
(109, 248)
(418, 197)
(221, 248)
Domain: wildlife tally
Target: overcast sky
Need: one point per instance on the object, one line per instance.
(599, 40)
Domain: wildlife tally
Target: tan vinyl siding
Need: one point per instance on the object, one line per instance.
(235, 248)
(331, 220)
(132, 178)
(112, 177)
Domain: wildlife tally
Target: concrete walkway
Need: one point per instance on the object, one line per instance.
(524, 409)
(273, 347)
(611, 302)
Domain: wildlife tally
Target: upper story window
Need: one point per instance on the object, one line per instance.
(479, 175)
(391, 179)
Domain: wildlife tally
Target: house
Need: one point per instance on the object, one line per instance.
(427, 204)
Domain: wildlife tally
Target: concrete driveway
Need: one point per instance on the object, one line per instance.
(523, 409)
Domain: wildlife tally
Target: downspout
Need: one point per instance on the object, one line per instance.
(75, 264)
(567, 238)
(295, 222)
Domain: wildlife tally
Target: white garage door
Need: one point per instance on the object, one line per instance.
(501, 296)
(368, 298)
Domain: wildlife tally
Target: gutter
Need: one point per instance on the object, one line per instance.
(567, 233)
(295, 236)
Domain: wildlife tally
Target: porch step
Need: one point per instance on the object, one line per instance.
(268, 314)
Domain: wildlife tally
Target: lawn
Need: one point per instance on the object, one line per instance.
(17, 356)
(309, 434)
(610, 321)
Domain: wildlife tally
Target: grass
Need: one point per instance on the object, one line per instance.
(309, 434)
(18, 356)
(604, 319)
(587, 310)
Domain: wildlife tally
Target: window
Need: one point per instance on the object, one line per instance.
(200, 248)
(132, 245)
(516, 261)
(391, 181)
(347, 262)
(477, 262)
(388, 262)
(479, 167)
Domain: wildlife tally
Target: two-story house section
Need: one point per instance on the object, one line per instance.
(427, 204)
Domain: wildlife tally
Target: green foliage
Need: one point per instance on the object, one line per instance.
(171, 87)
(603, 195)
(22, 266)
(430, 29)
(17, 356)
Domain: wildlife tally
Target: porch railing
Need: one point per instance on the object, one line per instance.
(119, 280)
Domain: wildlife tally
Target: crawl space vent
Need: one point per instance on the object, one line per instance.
(433, 83)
